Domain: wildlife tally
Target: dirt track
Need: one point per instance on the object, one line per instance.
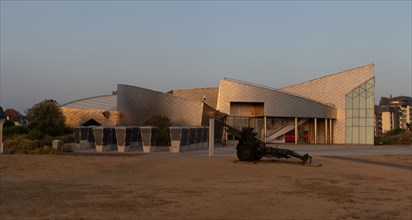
(84, 187)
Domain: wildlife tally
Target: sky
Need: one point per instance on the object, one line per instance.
(69, 50)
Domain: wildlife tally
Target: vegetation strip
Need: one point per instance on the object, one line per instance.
(400, 166)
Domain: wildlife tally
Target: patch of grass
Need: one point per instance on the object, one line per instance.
(395, 137)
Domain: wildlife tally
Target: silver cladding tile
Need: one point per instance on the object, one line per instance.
(137, 105)
(104, 102)
(208, 95)
(333, 89)
(276, 103)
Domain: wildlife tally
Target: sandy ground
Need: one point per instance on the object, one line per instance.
(140, 187)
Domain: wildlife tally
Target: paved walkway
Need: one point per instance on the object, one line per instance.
(351, 150)
(230, 151)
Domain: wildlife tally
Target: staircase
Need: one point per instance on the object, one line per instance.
(283, 129)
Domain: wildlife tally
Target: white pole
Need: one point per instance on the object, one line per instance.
(1, 136)
(326, 131)
(265, 129)
(211, 137)
(316, 130)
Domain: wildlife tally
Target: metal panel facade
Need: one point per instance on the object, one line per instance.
(333, 89)
(137, 105)
(276, 103)
(76, 117)
(208, 95)
(104, 102)
(319, 98)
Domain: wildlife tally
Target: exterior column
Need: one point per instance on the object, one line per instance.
(211, 137)
(296, 130)
(316, 130)
(265, 128)
(330, 131)
(326, 131)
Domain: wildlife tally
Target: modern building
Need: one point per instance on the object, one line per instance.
(393, 113)
(99, 110)
(335, 109)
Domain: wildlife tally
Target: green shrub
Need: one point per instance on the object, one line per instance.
(65, 148)
(397, 136)
(46, 117)
(20, 145)
(36, 135)
(64, 131)
(163, 123)
(67, 138)
(8, 124)
(46, 150)
(14, 131)
(394, 132)
(45, 141)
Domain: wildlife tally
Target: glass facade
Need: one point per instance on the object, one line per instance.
(360, 114)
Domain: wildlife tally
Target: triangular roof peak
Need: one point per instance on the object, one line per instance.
(372, 65)
(250, 84)
(276, 90)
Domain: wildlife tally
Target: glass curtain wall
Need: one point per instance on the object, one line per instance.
(360, 114)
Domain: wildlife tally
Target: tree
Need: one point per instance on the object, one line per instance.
(163, 123)
(46, 117)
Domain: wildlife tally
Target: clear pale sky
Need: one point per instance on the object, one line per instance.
(68, 50)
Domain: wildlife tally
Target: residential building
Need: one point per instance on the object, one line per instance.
(393, 113)
(15, 116)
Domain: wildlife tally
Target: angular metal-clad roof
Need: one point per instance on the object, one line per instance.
(137, 105)
(334, 87)
(104, 102)
(276, 103)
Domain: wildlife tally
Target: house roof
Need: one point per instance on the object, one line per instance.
(13, 115)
